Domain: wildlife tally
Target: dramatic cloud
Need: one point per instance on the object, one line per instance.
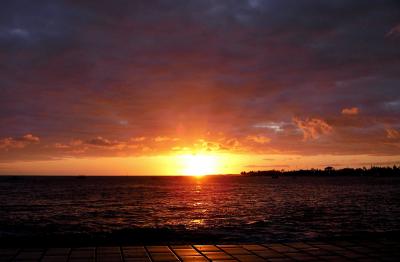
(392, 133)
(259, 139)
(313, 128)
(350, 111)
(18, 142)
(102, 142)
(134, 78)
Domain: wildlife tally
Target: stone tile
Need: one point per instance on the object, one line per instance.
(300, 246)
(350, 254)
(33, 249)
(57, 251)
(137, 259)
(8, 251)
(108, 250)
(329, 247)
(254, 247)
(109, 258)
(249, 258)
(301, 256)
(217, 255)
(283, 259)
(5, 258)
(134, 253)
(227, 246)
(207, 248)
(158, 249)
(236, 251)
(82, 253)
(133, 248)
(80, 259)
(281, 248)
(225, 260)
(23, 255)
(316, 243)
(269, 254)
(181, 246)
(7, 254)
(186, 252)
(334, 258)
(299, 251)
(56, 258)
(163, 257)
(320, 252)
(193, 259)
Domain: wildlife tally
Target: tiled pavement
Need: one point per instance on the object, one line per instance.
(299, 251)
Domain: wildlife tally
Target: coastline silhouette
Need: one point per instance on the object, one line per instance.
(328, 171)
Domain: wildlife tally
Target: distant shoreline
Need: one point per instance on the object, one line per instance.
(329, 171)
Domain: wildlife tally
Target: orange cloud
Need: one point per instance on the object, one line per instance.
(350, 111)
(18, 142)
(392, 133)
(138, 139)
(259, 139)
(105, 143)
(165, 138)
(312, 128)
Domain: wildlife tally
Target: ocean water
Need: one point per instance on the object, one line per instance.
(188, 209)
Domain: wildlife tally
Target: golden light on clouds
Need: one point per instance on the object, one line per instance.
(186, 164)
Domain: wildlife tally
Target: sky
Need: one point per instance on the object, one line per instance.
(148, 87)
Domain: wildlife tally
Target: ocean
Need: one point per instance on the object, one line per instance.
(227, 209)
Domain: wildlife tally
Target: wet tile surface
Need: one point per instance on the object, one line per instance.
(296, 251)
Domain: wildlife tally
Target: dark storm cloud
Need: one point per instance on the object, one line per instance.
(195, 69)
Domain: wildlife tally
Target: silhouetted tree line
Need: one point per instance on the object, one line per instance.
(330, 171)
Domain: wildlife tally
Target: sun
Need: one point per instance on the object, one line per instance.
(199, 165)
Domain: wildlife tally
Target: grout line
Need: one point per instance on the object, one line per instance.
(16, 254)
(69, 254)
(251, 251)
(121, 254)
(174, 253)
(300, 250)
(200, 252)
(226, 252)
(357, 252)
(44, 252)
(282, 253)
(333, 252)
(95, 254)
(148, 253)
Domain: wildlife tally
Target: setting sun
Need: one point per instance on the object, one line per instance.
(199, 165)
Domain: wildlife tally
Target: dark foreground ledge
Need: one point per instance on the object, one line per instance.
(379, 250)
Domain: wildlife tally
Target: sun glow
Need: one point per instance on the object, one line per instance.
(199, 165)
